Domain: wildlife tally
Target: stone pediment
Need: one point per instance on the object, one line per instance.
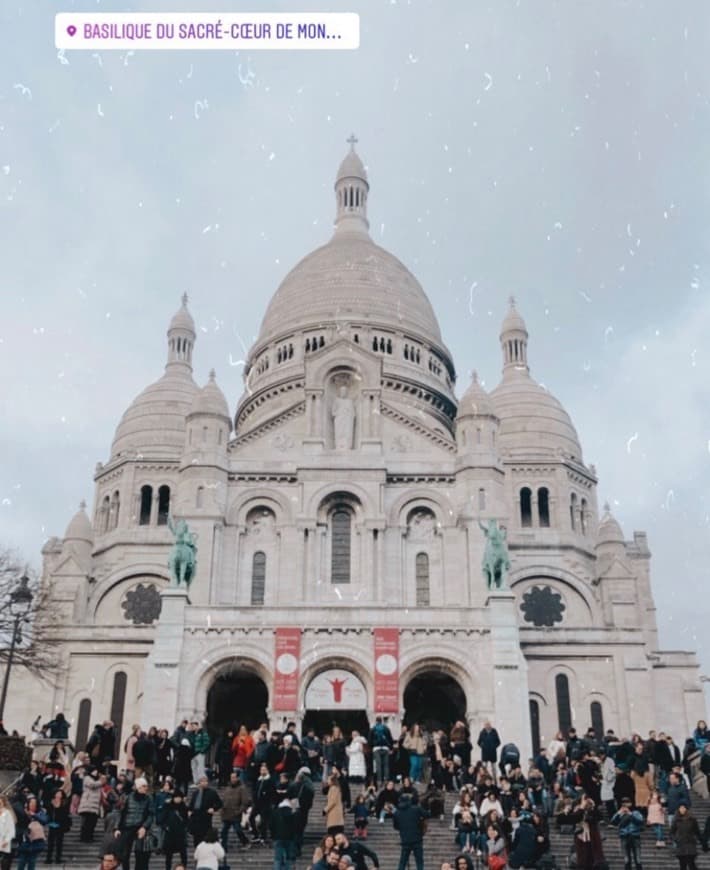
(403, 434)
(68, 567)
(616, 570)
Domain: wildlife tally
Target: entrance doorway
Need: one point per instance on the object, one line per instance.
(323, 722)
(236, 698)
(434, 700)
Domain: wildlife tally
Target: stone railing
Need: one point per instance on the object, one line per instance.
(697, 777)
(15, 754)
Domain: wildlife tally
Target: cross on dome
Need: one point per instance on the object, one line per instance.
(352, 141)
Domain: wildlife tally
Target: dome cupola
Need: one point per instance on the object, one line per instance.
(153, 426)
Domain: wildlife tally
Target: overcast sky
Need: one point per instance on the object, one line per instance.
(554, 150)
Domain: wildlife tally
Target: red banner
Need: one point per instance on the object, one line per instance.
(387, 670)
(286, 669)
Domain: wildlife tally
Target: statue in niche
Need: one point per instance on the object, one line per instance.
(261, 523)
(343, 414)
(422, 525)
(183, 555)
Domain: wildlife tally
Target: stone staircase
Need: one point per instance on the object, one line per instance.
(438, 847)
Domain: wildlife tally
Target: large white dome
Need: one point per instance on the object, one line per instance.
(350, 279)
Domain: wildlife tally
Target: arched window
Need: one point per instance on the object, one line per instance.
(543, 507)
(82, 724)
(481, 499)
(573, 511)
(163, 505)
(340, 546)
(422, 571)
(258, 578)
(478, 434)
(597, 716)
(583, 515)
(525, 507)
(564, 709)
(200, 497)
(104, 514)
(118, 705)
(535, 725)
(146, 505)
(115, 507)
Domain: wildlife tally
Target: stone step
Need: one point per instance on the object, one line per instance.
(439, 845)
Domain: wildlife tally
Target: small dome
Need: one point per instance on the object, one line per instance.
(80, 528)
(531, 418)
(513, 321)
(210, 400)
(182, 319)
(475, 402)
(154, 424)
(609, 531)
(351, 167)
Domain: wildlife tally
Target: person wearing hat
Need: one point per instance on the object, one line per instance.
(630, 823)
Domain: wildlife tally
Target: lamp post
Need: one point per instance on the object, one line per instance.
(20, 601)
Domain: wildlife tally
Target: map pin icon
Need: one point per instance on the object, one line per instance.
(71, 30)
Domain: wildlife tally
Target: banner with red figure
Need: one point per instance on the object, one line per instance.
(287, 655)
(387, 670)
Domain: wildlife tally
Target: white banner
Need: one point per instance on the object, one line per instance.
(336, 690)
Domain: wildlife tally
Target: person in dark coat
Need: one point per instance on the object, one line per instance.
(223, 757)
(686, 833)
(283, 831)
(357, 851)
(204, 803)
(304, 793)
(146, 757)
(489, 741)
(409, 820)
(588, 844)
(264, 799)
(624, 788)
(58, 825)
(524, 845)
(174, 825)
(164, 754)
(182, 766)
(58, 728)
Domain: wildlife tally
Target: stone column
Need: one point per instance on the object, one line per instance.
(510, 672)
(162, 672)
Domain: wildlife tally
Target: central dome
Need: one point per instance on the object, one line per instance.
(350, 279)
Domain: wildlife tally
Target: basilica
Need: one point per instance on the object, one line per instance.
(339, 514)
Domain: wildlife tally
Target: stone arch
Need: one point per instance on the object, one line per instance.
(251, 498)
(446, 671)
(343, 660)
(218, 660)
(438, 503)
(324, 494)
(564, 578)
(421, 663)
(345, 356)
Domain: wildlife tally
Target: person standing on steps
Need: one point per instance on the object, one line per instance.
(685, 831)
(410, 820)
(381, 742)
(630, 823)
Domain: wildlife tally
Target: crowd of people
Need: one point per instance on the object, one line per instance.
(162, 802)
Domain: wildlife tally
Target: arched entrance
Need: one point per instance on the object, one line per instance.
(237, 697)
(434, 700)
(336, 697)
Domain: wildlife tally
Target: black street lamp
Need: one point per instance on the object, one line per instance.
(20, 602)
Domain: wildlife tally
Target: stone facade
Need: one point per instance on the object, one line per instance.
(346, 495)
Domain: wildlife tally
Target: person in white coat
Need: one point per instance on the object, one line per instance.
(608, 772)
(7, 832)
(357, 768)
